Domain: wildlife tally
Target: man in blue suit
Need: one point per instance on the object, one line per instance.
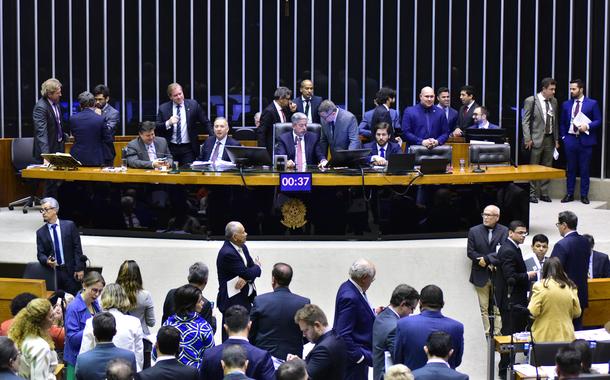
(339, 128)
(599, 263)
(234, 363)
(573, 251)
(176, 121)
(424, 124)
(412, 333)
(443, 95)
(438, 350)
(382, 147)
(402, 303)
(308, 103)
(167, 367)
(91, 365)
(365, 126)
(90, 133)
(110, 114)
(213, 149)
(354, 318)
(479, 116)
(579, 139)
(237, 324)
(307, 145)
(272, 315)
(236, 268)
(59, 247)
(384, 99)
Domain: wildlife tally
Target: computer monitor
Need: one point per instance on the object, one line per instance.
(496, 135)
(350, 158)
(248, 155)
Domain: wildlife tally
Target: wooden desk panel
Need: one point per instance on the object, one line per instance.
(598, 312)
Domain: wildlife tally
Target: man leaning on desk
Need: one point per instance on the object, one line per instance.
(147, 151)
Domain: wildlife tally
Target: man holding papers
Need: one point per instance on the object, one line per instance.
(580, 120)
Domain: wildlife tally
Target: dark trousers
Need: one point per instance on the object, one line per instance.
(519, 322)
(578, 157)
(183, 153)
(66, 281)
(358, 371)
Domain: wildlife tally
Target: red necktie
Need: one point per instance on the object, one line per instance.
(465, 110)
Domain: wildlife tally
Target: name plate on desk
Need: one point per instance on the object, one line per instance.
(292, 182)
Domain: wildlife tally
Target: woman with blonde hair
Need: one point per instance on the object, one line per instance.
(128, 329)
(30, 332)
(553, 304)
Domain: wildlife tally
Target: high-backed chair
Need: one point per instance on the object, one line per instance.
(421, 152)
(280, 128)
(544, 353)
(601, 353)
(489, 154)
(38, 271)
(21, 156)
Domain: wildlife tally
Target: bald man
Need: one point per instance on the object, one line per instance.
(424, 124)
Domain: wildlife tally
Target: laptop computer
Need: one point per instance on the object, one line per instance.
(434, 166)
(401, 163)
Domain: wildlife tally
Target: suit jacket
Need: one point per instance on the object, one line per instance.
(91, 365)
(452, 117)
(6, 374)
(207, 148)
(391, 148)
(168, 370)
(169, 309)
(260, 364)
(354, 320)
(264, 133)
(137, 155)
(328, 358)
(194, 113)
(553, 309)
(465, 121)
(91, 136)
(511, 265)
(601, 265)
(45, 129)
(384, 330)
(489, 126)
(438, 371)
(313, 153)
(365, 127)
(533, 124)
(273, 328)
(590, 108)
(480, 246)
(236, 376)
(345, 135)
(417, 128)
(412, 333)
(573, 251)
(314, 103)
(70, 242)
(112, 117)
(229, 264)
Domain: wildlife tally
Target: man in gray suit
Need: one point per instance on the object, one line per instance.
(541, 133)
(339, 128)
(148, 151)
(404, 300)
(111, 116)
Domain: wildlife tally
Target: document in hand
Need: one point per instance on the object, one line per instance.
(580, 119)
(231, 290)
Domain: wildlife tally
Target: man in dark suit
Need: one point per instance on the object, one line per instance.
(295, 369)
(424, 124)
(308, 103)
(365, 126)
(112, 117)
(599, 263)
(328, 358)
(382, 147)
(167, 367)
(237, 270)
(272, 315)
(339, 128)
(480, 115)
(354, 318)
(384, 99)
(512, 285)
(443, 96)
(300, 147)
(574, 252)
(91, 365)
(579, 138)
(403, 302)
(176, 121)
(234, 363)
(90, 133)
(213, 149)
(278, 111)
(541, 133)
(438, 350)
(412, 333)
(148, 151)
(237, 325)
(483, 242)
(466, 110)
(58, 245)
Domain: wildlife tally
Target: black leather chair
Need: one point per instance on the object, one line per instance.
(279, 128)
(544, 353)
(38, 271)
(244, 133)
(601, 354)
(421, 152)
(489, 154)
(21, 156)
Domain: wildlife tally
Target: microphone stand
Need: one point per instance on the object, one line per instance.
(478, 168)
(511, 363)
(491, 344)
(533, 353)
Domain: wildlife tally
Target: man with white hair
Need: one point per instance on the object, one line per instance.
(354, 318)
(300, 147)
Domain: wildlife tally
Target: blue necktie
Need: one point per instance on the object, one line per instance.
(382, 152)
(332, 128)
(58, 258)
(178, 126)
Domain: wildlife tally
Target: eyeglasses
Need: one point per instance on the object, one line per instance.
(524, 233)
(44, 210)
(558, 224)
(488, 215)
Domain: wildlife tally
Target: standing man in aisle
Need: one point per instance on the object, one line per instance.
(112, 117)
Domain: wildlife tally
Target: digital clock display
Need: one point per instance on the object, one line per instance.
(290, 182)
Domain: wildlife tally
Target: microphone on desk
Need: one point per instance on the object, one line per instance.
(478, 168)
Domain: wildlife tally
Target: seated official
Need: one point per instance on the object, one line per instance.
(424, 124)
(382, 147)
(147, 151)
(479, 116)
(213, 149)
(300, 147)
(90, 133)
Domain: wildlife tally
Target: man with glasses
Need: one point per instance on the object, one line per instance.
(59, 247)
(483, 242)
(512, 285)
(339, 128)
